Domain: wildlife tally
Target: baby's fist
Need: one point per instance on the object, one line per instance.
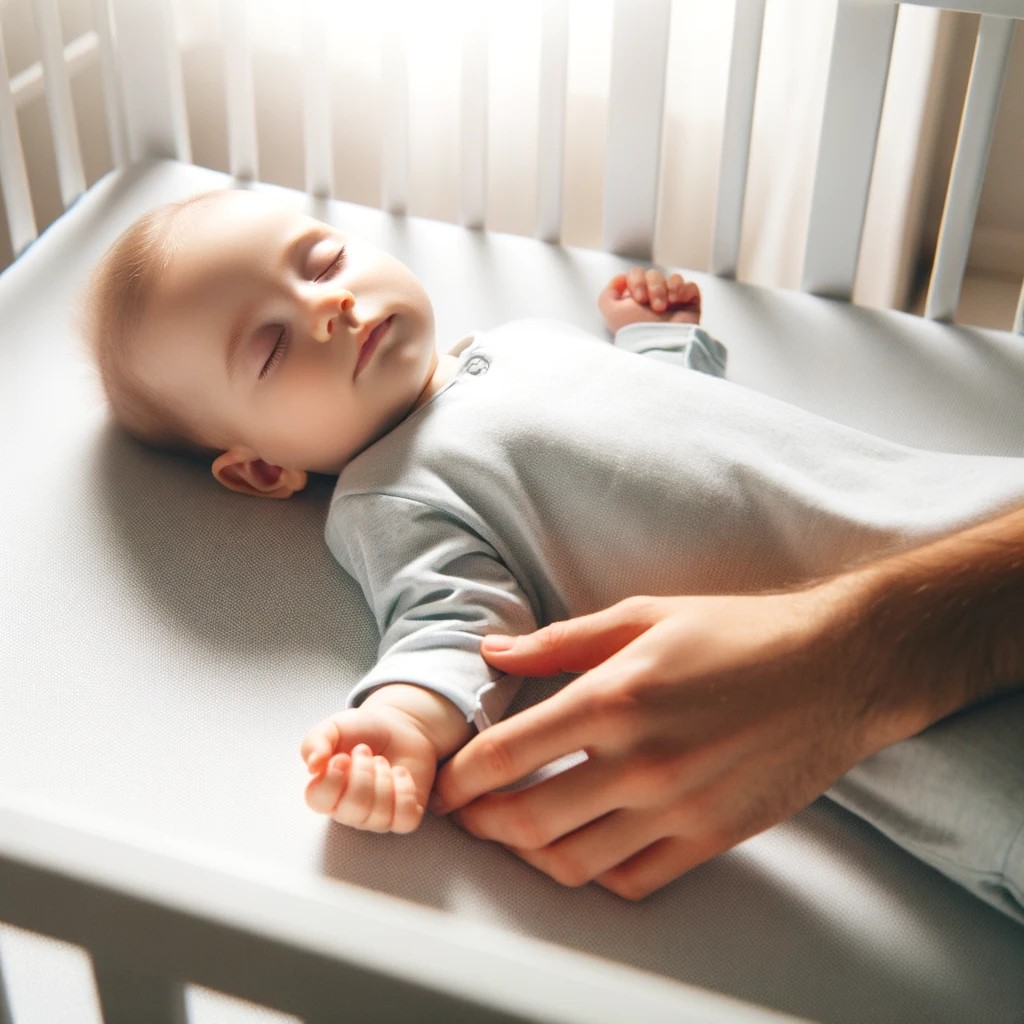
(647, 296)
(371, 768)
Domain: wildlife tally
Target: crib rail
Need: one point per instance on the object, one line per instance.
(976, 127)
(154, 919)
(135, 41)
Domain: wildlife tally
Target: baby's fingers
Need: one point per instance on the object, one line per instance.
(377, 797)
(362, 791)
(657, 292)
(328, 787)
(408, 810)
(320, 742)
(682, 293)
(636, 281)
(648, 288)
(617, 286)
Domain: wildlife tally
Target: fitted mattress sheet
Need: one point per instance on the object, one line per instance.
(164, 645)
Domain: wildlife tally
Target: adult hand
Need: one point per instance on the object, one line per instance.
(704, 719)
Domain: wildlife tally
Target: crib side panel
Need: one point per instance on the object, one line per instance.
(128, 996)
(238, 84)
(965, 182)
(1001, 8)
(861, 47)
(473, 118)
(635, 112)
(21, 220)
(152, 89)
(394, 115)
(158, 916)
(58, 100)
(748, 25)
(316, 99)
(141, 63)
(551, 120)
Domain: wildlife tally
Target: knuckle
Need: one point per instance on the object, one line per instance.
(649, 781)
(629, 888)
(497, 757)
(554, 636)
(614, 703)
(638, 607)
(523, 829)
(566, 870)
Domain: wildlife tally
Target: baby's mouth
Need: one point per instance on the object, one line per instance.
(369, 346)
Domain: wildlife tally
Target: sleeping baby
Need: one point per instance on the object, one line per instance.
(531, 473)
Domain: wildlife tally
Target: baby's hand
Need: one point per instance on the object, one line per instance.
(373, 768)
(645, 295)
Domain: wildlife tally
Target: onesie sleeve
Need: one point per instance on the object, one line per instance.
(435, 588)
(685, 345)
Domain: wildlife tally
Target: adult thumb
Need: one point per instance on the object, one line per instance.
(575, 645)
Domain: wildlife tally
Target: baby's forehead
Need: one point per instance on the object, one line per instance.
(234, 231)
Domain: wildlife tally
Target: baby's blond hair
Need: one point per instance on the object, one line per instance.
(113, 306)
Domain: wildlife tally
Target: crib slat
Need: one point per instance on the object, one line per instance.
(861, 46)
(968, 174)
(739, 117)
(394, 142)
(635, 111)
(21, 221)
(70, 172)
(1018, 317)
(243, 154)
(152, 88)
(554, 66)
(316, 98)
(1006, 8)
(473, 133)
(127, 997)
(108, 71)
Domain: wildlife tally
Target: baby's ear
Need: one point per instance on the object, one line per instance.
(242, 470)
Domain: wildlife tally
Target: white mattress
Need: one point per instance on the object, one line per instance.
(164, 644)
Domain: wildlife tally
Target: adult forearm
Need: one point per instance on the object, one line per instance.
(941, 627)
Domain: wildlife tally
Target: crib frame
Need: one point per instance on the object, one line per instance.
(150, 918)
(145, 108)
(152, 922)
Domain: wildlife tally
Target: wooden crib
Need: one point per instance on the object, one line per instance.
(164, 645)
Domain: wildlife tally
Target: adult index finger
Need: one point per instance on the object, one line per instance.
(573, 645)
(511, 750)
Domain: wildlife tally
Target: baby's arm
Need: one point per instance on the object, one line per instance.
(648, 296)
(435, 586)
(373, 766)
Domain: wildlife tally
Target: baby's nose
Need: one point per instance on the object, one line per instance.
(340, 307)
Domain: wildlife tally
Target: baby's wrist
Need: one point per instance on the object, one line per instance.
(440, 721)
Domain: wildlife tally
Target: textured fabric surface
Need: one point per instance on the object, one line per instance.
(164, 644)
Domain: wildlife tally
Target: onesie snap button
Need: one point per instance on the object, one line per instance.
(477, 365)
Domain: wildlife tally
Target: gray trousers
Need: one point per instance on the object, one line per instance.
(953, 796)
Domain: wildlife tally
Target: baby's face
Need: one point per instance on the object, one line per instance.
(278, 332)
